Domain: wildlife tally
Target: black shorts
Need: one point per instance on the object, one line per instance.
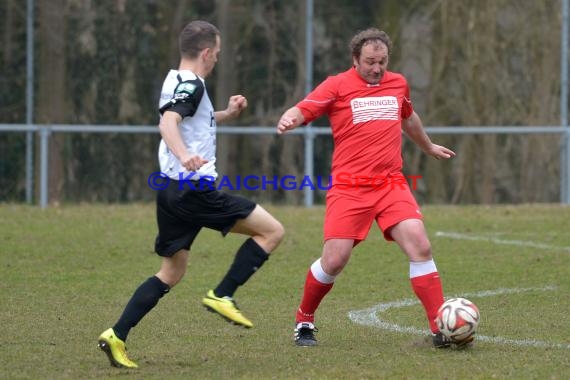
(181, 213)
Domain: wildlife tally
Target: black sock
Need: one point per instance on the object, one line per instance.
(143, 300)
(249, 258)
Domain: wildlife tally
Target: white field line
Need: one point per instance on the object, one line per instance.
(369, 317)
(520, 243)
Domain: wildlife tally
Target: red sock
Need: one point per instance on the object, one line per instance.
(312, 296)
(429, 291)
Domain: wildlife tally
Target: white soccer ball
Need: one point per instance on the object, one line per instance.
(458, 319)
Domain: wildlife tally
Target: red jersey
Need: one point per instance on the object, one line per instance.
(366, 122)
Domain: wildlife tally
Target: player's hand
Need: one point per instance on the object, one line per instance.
(236, 104)
(286, 123)
(440, 152)
(193, 162)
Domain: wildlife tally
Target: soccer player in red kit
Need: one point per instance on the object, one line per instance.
(368, 107)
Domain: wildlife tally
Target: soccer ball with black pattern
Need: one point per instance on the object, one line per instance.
(458, 319)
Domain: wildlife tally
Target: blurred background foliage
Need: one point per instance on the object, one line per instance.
(468, 62)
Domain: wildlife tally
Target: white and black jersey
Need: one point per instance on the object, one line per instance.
(185, 93)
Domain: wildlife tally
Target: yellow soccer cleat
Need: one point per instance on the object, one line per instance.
(115, 350)
(227, 308)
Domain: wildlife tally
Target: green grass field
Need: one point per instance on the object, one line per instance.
(67, 272)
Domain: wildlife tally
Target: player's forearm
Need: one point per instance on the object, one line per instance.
(420, 138)
(294, 116)
(413, 127)
(236, 104)
(171, 134)
(222, 116)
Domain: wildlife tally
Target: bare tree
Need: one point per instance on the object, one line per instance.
(489, 68)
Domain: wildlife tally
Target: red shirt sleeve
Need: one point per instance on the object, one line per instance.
(407, 107)
(318, 102)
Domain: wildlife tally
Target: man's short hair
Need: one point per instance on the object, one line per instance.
(195, 37)
(365, 36)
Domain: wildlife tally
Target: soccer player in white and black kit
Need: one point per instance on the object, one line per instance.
(188, 151)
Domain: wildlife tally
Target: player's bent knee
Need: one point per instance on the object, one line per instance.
(277, 233)
(333, 265)
(422, 253)
(272, 236)
(272, 240)
(425, 250)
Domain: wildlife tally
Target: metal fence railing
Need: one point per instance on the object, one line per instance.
(309, 133)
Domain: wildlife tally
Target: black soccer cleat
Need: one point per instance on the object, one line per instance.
(441, 341)
(305, 334)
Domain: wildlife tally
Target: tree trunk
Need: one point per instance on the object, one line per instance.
(51, 96)
(178, 23)
(8, 32)
(226, 145)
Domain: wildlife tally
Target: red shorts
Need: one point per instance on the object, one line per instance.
(350, 211)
